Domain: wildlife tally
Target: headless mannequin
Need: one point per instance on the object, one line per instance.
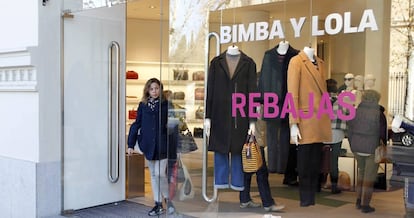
(294, 129)
(310, 52)
(283, 47)
(369, 82)
(233, 51)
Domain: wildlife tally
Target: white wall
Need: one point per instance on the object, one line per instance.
(18, 24)
(19, 126)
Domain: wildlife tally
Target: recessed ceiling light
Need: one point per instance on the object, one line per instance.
(152, 6)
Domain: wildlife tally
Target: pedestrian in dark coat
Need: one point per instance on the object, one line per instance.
(152, 125)
(229, 74)
(365, 132)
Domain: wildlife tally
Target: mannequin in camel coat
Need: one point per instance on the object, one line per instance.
(306, 74)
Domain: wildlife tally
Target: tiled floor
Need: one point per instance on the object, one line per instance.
(387, 203)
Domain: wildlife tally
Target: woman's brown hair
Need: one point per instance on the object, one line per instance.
(145, 93)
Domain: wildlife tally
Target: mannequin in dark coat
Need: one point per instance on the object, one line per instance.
(274, 79)
(227, 133)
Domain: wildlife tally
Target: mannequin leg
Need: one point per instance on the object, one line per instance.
(221, 170)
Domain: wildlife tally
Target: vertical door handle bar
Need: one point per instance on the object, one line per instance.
(205, 151)
(113, 124)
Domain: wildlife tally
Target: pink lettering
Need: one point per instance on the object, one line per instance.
(325, 106)
(253, 105)
(344, 104)
(288, 106)
(302, 114)
(270, 104)
(236, 105)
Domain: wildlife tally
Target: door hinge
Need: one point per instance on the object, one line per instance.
(67, 14)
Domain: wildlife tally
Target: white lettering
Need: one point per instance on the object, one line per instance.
(276, 30)
(248, 35)
(225, 36)
(262, 32)
(347, 24)
(337, 18)
(234, 36)
(297, 26)
(368, 21)
(315, 30)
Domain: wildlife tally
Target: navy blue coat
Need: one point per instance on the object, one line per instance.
(153, 136)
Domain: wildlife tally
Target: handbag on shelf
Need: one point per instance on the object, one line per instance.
(199, 94)
(198, 75)
(381, 153)
(251, 155)
(130, 74)
(198, 132)
(186, 142)
(180, 74)
(199, 113)
(179, 95)
(132, 114)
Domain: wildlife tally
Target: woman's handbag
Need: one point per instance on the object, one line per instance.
(381, 153)
(186, 142)
(251, 155)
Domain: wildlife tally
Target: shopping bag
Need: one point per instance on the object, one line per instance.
(251, 155)
(380, 153)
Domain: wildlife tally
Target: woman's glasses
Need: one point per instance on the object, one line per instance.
(348, 79)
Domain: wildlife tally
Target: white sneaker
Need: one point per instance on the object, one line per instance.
(274, 208)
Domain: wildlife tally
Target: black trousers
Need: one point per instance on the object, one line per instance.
(291, 172)
(278, 140)
(309, 163)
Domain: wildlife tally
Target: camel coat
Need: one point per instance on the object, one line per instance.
(305, 78)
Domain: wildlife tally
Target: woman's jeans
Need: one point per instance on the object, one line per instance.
(262, 179)
(159, 183)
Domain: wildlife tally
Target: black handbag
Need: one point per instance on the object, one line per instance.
(198, 132)
(186, 142)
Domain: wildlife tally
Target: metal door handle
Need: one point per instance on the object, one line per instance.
(205, 151)
(113, 115)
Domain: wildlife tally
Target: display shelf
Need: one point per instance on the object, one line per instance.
(156, 63)
(167, 82)
(195, 121)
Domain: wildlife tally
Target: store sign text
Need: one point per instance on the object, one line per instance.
(345, 100)
(334, 24)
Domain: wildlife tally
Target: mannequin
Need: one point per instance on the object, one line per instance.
(226, 134)
(310, 52)
(369, 82)
(233, 50)
(281, 156)
(306, 74)
(349, 82)
(283, 47)
(359, 88)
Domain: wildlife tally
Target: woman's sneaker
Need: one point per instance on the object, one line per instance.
(156, 211)
(274, 208)
(250, 204)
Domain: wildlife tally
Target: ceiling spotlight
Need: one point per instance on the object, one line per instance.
(152, 6)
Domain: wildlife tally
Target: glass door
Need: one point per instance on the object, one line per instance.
(93, 93)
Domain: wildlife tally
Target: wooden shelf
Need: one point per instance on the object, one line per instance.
(167, 82)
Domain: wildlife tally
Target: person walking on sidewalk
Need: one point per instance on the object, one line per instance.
(151, 122)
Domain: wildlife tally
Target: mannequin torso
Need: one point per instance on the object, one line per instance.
(233, 50)
(369, 82)
(310, 52)
(283, 47)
